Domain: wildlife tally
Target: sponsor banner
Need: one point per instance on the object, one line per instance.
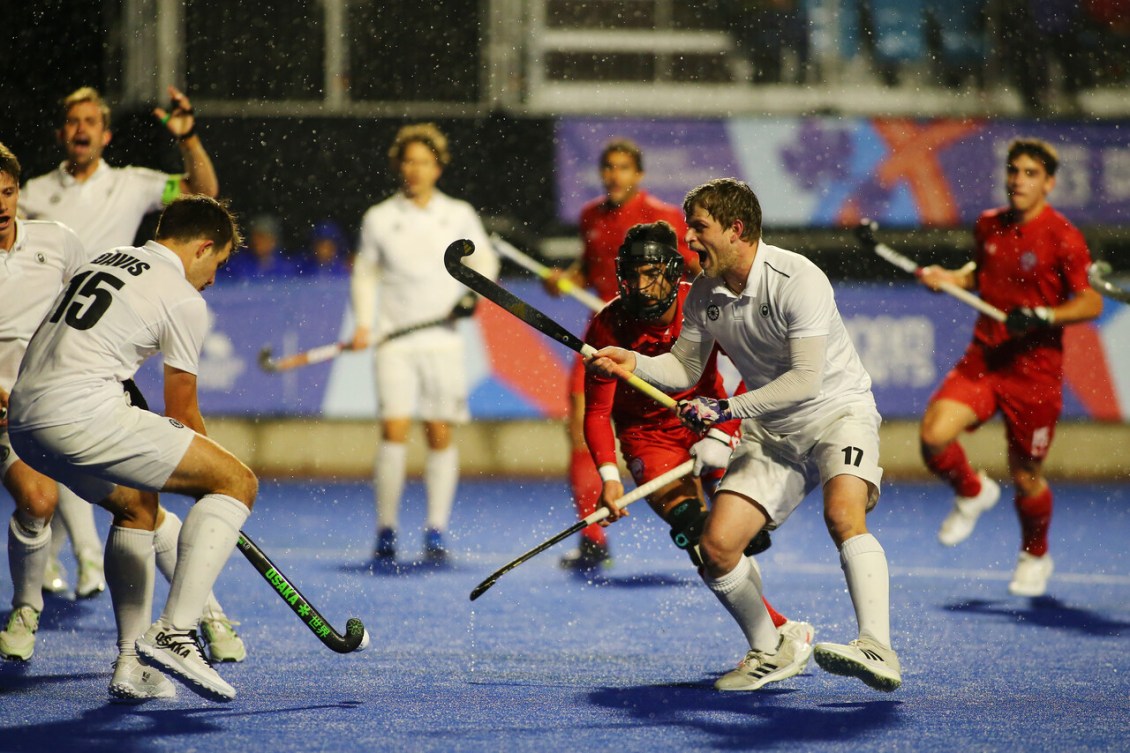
(906, 337)
(831, 172)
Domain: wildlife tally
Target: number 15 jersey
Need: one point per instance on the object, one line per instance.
(120, 308)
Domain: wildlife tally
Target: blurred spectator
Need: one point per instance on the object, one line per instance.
(327, 254)
(264, 257)
(1032, 32)
(765, 32)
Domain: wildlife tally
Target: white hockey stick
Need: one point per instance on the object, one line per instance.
(1097, 275)
(595, 517)
(866, 234)
(567, 287)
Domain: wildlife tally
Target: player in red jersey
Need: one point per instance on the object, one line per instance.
(647, 317)
(1030, 262)
(604, 221)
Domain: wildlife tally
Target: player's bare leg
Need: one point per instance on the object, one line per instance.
(870, 656)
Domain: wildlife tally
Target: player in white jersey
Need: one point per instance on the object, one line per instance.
(399, 280)
(35, 259)
(809, 420)
(105, 206)
(70, 419)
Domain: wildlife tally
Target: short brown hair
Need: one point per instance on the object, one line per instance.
(1037, 149)
(420, 133)
(195, 216)
(85, 94)
(726, 200)
(9, 164)
(622, 146)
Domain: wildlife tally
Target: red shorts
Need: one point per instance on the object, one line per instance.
(654, 451)
(1029, 400)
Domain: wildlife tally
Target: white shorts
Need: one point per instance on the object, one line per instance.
(429, 384)
(778, 472)
(120, 445)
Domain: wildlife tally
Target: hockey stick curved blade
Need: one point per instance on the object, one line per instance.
(1097, 275)
(636, 494)
(452, 259)
(356, 638)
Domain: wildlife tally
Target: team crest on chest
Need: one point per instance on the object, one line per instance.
(713, 312)
(1028, 261)
(39, 257)
(764, 309)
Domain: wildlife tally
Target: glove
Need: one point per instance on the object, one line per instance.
(1022, 319)
(465, 306)
(712, 452)
(700, 413)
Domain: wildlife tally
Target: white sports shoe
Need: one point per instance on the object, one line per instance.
(864, 658)
(963, 517)
(55, 577)
(17, 640)
(759, 668)
(224, 644)
(135, 681)
(1031, 575)
(180, 652)
(91, 578)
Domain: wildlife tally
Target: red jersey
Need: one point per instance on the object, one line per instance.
(603, 226)
(1042, 262)
(611, 398)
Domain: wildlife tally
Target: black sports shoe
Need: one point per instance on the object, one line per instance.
(385, 550)
(588, 556)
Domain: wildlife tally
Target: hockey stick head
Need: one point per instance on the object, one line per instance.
(456, 250)
(865, 232)
(266, 363)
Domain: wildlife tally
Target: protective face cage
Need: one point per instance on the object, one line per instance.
(636, 254)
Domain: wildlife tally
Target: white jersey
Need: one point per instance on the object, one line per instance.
(405, 244)
(119, 309)
(44, 256)
(786, 297)
(106, 209)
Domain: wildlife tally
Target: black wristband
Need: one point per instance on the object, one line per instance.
(188, 134)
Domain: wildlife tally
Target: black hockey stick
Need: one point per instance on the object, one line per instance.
(452, 259)
(595, 517)
(464, 308)
(356, 637)
(866, 234)
(1097, 275)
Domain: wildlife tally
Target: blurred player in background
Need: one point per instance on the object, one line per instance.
(647, 317)
(399, 280)
(1030, 262)
(603, 223)
(105, 206)
(70, 419)
(809, 421)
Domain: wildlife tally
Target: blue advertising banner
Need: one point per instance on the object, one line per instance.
(906, 337)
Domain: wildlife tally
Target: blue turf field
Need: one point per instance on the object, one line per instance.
(546, 662)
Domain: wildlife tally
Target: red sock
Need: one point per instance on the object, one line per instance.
(586, 485)
(953, 467)
(778, 618)
(1035, 519)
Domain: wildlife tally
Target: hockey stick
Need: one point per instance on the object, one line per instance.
(866, 234)
(1097, 275)
(595, 517)
(356, 637)
(531, 316)
(464, 308)
(566, 286)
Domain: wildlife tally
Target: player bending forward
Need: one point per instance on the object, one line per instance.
(647, 317)
(809, 420)
(69, 419)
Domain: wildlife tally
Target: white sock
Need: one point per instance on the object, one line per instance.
(165, 546)
(206, 540)
(29, 550)
(129, 576)
(740, 592)
(865, 568)
(441, 477)
(388, 482)
(78, 516)
(58, 534)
